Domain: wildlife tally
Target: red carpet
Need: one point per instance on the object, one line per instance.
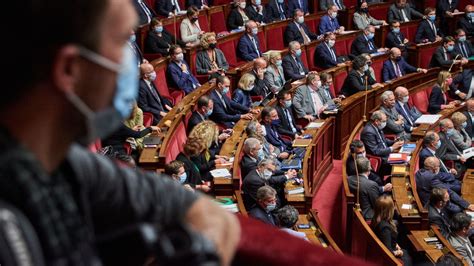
(329, 203)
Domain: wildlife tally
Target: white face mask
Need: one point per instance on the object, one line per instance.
(405, 99)
(264, 131)
(242, 5)
(331, 43)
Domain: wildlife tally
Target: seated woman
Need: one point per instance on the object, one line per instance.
(210, 60)
(191, 149)
(274, 75)
(175, 170)
(159, 40)
(238, 16)
(369, 63)
(190, 29)
(385, 228)
(439, 97)
(242, 93)
(460, 138)
(362, 18)
(135, 122)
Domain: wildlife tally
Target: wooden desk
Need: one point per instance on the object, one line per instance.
(420, 54)
(467, 189)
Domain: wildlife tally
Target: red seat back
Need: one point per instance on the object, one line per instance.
(341, 47)
(379, 11)
(338, 80)
(172, 25)
(274, 35)
(310, 49)
(304, 57)
(217, 19)
(147, 119)
(420, 100)
(228, 47)
(424, 56)
(312, 21)
(261, 39)
(377, 65)
(204, 21)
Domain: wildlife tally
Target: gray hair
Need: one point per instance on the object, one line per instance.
(250, 144)
(293, 44)
(377, 115)
(266, 162)
(363, 165)
(287, 216)
(251, 127)
(385, 95)
(429, 138)
(265, 192)
(443, 122)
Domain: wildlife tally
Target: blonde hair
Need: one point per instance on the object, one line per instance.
(458, 118)
(245, 81)
(206, 131)
(273, 55)
(204, 39)
(383, 211)
(442, 76)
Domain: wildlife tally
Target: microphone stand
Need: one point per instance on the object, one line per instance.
(357, 204)
(364, 117)
(449, 70)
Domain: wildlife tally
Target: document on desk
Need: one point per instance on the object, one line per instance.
(427, 119)
(468, 153)
(348, 31)
(470, 214)
(314, 125)
(221, 173)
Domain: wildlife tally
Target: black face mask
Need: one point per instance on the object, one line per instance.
(212, 46)
(193, 20)
(398, 58)
(365, 10)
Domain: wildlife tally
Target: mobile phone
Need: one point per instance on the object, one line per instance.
(304, 226)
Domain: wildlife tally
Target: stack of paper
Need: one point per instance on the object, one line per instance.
(427, 119)
(468, 153)
(314, 125)
(408, 148)
(397, 158)
(221, 173)
(297, 190)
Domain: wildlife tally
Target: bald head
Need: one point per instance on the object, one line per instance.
(432, 163)
(259, 63)
(395, 52)
(469, 8)
(146, 70)
(470, 105)
(401, 94)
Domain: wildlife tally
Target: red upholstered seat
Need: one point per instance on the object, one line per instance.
(274, 35)
(425, 55)
(261, 39)
(379, 11)
(160, 81)
(151, 57)
(375, 162)
(421, 101)
(217, 19)
(338, 80)
(304, 57)
(204, 22)
(96, 146)
(147, 119)
(312, 21)
(409, 30)
(341, 47)
(172, 26)
(176, 143)
(229, 49)
(377, 65)
(310, 58)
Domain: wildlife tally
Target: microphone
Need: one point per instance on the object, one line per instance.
(449, 70)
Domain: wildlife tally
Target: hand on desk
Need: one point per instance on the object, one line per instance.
(309, 117)
(255, 111)
(377, 85)
(156, 129)
(397, 145)
(246, 116)
(471, 207)
(388, 187)
(220, 161)
(284, 155)
(290, 174)
(223, 136)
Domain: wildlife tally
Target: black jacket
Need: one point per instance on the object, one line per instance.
(155, 44)
(355, 83)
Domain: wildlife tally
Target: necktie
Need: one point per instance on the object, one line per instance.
(404, 16)
(300, 4)
(397, 70)
(255, 46)
(338, 4)
(333, 55)
(407, 115)
(280, 10)
(463, 50)
(153, 91)
(433, 27)
(380, 137)
(306, 39)
(371, 47)
(146, 10)
(176, 5)
(290, 121)
(399, 39)
(445, 55)
(223, 101)
(300, 68)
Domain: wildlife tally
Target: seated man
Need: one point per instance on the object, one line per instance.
(204, 108)
(329, 22)
(276, 10)
(359, 78)
(168, 8)
(448, 147)
(461, 226)
(368, 190)
(307, 101)
(427, 30)
(444, 56)
(429, 177)
(266, 204)
(374, 139)
(463, 46)
(364, 43)
(395, 122)
(293, 66)
(463, 86)
(467, 21)
(253, 154)
(402, 11)
(262, 87)
(397, 67)
(395, 38)
(437, 214)
(248, 48)
(178, 73)
(410, 114)
(287, 217)
(469, 113)
(149, 99)
(175, 170)
(327, 95)
(226, 111)
(432, 147)
(325, 4)
(357, 150)
(255, 130)
(298, 31)
(256, 11)
(325, 55)
(261, 176)
(287, 125)
(269, 118)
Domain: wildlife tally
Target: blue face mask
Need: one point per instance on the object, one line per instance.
(432, 18)
(450, 48)
(255, 31)
(258, 2)
(276, 122)
(209, 112)
(183, 177)
(438, 144)
(102, 123)
(464, 124)
(159, 29)
(133, 38)
(450, 132)
(278, 62)
(225, 90)
(270, 207)
(370, 36)
(298, 52)
(396, 30)
(281, 1)
(462, 39)
(288, 104)
(260, 155)
(470, 15)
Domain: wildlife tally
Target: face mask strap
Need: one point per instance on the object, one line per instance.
(99, 60)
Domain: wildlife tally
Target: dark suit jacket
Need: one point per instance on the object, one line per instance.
(160, 44)
(260, 214)
(292, 33)
(439, 219)
(447, 150)
(409, 114)
(194, 177)
(137, 52)
(142, 15)
(323, 57)
(252, 182)
(328, 24)
(392, 41)
(179, 79)
(195, 119)
(361, 45)
(395, 13)
(246, 49)
(262, 87)
(468, 26)
(436, 100)
(290, 67)
(226, 116)
(351, 170)
(149, 103)
(293, 4)
(470, 127)
(388, 71)
(273, 14)
(235, 20)
(275, 139)
(254, 15)
(284, 125)
(242, 97)
(462, 82)
(443, 6)
(437, 60)
(467, 46)
(353, 83)
(427, 180)
(164, 7)
(247, 164)
(373, 143)
(424, 31)
(368, 191)
(197, 3)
